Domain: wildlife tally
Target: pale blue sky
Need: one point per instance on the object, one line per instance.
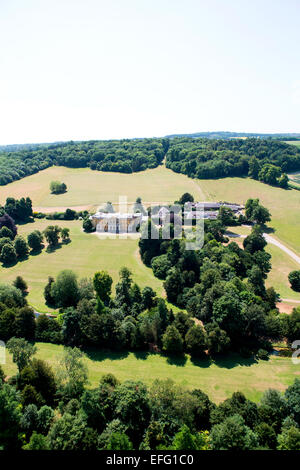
(95, 69)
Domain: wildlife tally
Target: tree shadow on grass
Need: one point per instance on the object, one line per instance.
(100, 355)
(175, 360)
(143, 355)
(9, 265)
(37, 252)
(53, 249)
(233, 360)
(31, 220)
(202, 362)
(268, 229)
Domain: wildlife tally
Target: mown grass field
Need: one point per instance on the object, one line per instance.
(284, 205)
(219, 380)
(86, 254)
(87, 188)
(282, 265)
(293, 142)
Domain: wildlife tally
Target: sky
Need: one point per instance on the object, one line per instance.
(101, 69)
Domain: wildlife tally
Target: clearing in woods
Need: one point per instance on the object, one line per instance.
(218, 379)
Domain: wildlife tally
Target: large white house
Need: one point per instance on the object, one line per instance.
(116, 222)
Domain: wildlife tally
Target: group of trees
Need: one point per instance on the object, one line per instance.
(222, 285)
(15, 248)
(261, 159)
(56, 187)
(43, 410)
(125, 156)
(20, 210)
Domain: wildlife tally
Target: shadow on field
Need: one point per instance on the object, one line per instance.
(179, 361)
(52, 249)
(142, 355)
(268, 229)
(234, 360)
(96, 355)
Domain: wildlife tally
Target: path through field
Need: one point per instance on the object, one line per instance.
(280, 245)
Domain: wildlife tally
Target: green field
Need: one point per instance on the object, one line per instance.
(282, 265)
(284, 205)
(295, 177)
(293, 142)
(87, 188)
(219, 380)
(86, 254)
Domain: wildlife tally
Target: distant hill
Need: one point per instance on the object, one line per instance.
(235, 135)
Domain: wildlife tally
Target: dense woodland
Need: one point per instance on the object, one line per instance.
(261, 159)
(267, 160)
(125, 156)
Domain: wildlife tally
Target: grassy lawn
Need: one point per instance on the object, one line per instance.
(219, 380)
(284, 205)
(88, 188)
(282, 265)
(86, 254)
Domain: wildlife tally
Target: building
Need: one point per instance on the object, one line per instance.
(116, 222)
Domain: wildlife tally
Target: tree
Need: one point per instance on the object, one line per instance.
(292, 395)
(19, 283)
(160, 266)
(218, 341)
(35, 240)
(8, 254)
(195, 341)
(39, 375)
(49, 298)
(71, 331)
(7, 221)
(254, 168)
(57, 188)
(291, 325)
(51, 234)
(132, 408)
(266, 435)
(233, 434)
(269, 174)
(118, 441)
(257, 213)
(102, 284)
(148, 297)
(88, 225)
(64, 290)
(10, 416)
(289, 439)
(65, 234)
(11, 296)
(71, 433)
(21, 246)
(72, 374)
(186, 197)
(283, 181)
(25, 323)
(172, 340)
(5, 232)
(173, 284)
(21, 351)
(255, 241)
(37, 442)
(294, 278)
(185, 440)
